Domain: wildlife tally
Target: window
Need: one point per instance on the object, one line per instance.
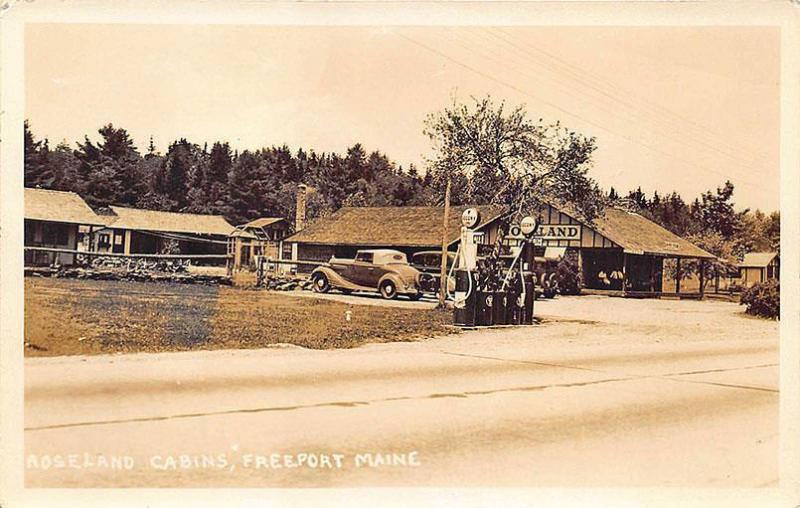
(364, 257)
(30, 234)
(104, 240)
(55, 234)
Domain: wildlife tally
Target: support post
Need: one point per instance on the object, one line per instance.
(238, 246)
(443, 266)
(624, 272)
(702, 277)
(678, 276)
(127, 241)
(90, 246)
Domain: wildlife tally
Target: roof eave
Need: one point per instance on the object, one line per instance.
(166, 231)
(61, 221)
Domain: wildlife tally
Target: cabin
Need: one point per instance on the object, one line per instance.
(137, 231)
(261, 237)
(408, 229)
(757, 267)
(56, 220)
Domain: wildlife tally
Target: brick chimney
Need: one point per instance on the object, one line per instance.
(300, 208)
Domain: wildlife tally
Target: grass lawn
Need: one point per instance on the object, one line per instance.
(72, 317)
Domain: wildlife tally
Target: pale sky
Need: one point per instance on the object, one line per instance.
(672, 108)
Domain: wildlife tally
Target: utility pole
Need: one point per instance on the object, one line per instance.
(445, 242)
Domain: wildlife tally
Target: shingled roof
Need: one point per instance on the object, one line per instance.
(398, 226)
(262, 222)
(757, 259)
(169, 222)
(59, 206)
(638, 235)
(419, 226)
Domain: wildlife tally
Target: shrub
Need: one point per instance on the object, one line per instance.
(763, 299)
(569, 277)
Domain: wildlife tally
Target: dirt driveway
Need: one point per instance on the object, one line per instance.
(630, 319)
(426, 302)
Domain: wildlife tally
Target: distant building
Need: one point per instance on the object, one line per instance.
(55, 219)
(759, 267)
(268, 233)
(137, 231)
(257, 238)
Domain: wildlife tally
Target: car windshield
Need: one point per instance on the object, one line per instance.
(432, 259)
(365, 257)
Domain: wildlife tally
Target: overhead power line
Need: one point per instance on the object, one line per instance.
(670, 131)
(624, 97)
(563, 110)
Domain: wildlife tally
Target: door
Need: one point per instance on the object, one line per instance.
(118, 244)
(365, 273)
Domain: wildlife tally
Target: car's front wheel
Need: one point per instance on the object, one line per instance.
(388, 290)
(321, 283)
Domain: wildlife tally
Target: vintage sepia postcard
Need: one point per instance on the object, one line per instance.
(473, 254)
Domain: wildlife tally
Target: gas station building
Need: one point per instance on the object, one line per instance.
(619, 252)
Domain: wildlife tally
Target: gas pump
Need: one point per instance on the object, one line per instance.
(465, 269)
(474, 305)
(522, 308)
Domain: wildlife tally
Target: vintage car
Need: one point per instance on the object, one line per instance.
(383, 270)
(429, 263)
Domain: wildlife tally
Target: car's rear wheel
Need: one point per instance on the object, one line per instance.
(321, 283)
(388, 290)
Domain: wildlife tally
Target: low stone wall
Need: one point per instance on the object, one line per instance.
(120, 273)
(286, 283)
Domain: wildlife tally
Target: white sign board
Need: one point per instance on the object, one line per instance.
(559, 232)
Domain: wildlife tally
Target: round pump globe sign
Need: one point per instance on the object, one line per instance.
(470, 217)
(527, 225)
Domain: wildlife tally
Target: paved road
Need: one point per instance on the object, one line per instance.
(678, 393)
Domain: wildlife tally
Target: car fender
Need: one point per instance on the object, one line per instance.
(334, 279)
(398, 282)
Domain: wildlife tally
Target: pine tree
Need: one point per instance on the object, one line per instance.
(108, 172)
(151, 149)
(38, 171)
(64, 166)
(176, 170)
(245, 195)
